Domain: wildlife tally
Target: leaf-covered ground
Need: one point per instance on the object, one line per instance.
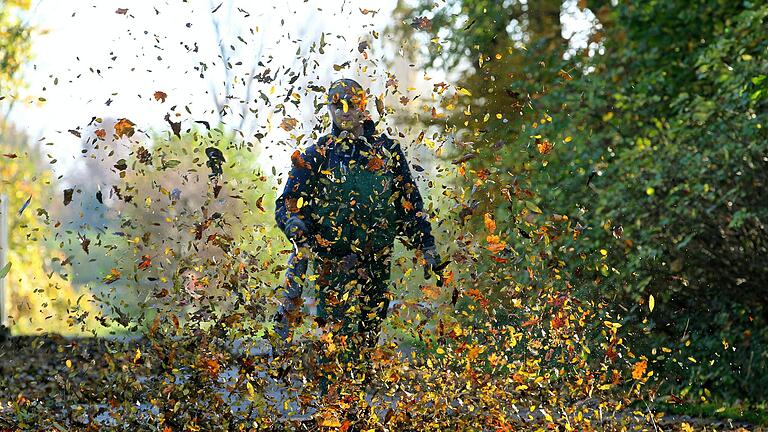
(57, 383)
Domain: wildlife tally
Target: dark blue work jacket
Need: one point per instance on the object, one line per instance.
(354, 195)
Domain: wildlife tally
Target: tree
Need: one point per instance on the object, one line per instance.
(652, 150)
(15, 43)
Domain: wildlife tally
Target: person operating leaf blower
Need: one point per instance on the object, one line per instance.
(347, 198)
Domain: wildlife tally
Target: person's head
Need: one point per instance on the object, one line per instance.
(346, 104)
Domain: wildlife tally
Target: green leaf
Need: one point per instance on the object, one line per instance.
(5, 270)
(532, 207)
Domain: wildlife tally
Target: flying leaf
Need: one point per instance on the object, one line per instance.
(490, 224)
(260, 204)
(639, 369)
(113, 275)
(298, 161)
(26, 203)
(4, 271)
(532, 207)
(421, 23)
(544, 147)
(124, 127)
(288, 124)
(68, 196)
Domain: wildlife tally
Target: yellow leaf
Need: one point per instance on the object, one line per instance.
(685, 427)
(329, 420)
(69, 363)
(651, 302)
(300, 202)
(457, 330)
(464, 91)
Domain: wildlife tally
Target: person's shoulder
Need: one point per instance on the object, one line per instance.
(387, 142)
(310, 156)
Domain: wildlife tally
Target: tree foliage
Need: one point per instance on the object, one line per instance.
(655, 150)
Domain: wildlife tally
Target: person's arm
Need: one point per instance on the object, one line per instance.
(413, 221)
(298, 185)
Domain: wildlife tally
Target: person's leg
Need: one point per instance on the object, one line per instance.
(375, 298)
(338, 291)
(289, 310)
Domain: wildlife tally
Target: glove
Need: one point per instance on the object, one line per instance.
(432, 259)
(295, 228)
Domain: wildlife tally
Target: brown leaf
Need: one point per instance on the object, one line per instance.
(121, 11)
(464, 158)
(68, 196)
(288, 124)
(260, 204)
(160, 96)
(84, 243)
(175, 126)
(421, 23)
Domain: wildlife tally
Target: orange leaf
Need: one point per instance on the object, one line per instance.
(124, 127)
(113, 275)
(639, 369)
(146, 262)
(544, 147)
(160, 96)
(490, 224)
(299, 161)
(375, 163)
(447, 277)
(432, 292)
